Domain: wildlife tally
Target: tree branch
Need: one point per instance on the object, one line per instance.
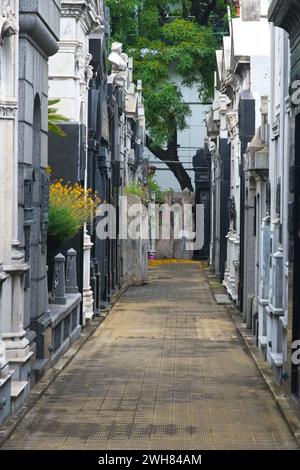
(202, 15)
(171, 155)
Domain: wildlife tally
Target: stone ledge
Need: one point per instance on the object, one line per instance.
(21, 359)
(17, 387)
(277, 359)
(58, 313)
(222, 299)
(263, 302)
(275, 312)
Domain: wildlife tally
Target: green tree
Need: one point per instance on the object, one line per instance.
(162, 36)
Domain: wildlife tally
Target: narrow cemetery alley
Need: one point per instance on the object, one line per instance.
(167, 369)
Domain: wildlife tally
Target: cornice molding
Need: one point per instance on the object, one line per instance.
(32, 24)
(286, 15)
(85, 11)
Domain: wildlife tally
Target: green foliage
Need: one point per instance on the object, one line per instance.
(54, 119)
(70, 207)
(158, 46)
(154, 188)
(136, 190)
(62, 223)
(165, 39)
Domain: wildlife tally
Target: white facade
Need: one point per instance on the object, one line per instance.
(277, 309)
(69, 75)
(243, 68)
(70, 69)
(11, 307)
(254, 65)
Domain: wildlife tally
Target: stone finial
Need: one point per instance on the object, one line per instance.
(71, 272)
(8, 23)
(59, 286)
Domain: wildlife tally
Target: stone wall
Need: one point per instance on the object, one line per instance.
(175, 248)
(134, 255)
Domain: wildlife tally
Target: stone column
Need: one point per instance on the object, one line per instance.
(59, 286)
(71, 272)
(88, 300)
(14, 347)
(152, 228)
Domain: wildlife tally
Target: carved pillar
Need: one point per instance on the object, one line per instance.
(59, 286)
(71, 272)
(88, 300)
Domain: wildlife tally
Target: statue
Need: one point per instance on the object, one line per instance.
(117, 58)
(232, 212)
(8, 24)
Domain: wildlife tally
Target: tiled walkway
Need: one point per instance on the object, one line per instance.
(166, 370)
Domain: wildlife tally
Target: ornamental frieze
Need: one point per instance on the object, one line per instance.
(8, 110)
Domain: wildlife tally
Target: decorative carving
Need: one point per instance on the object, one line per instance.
(117, 58)
(71, 272)
(85, 11)
(8, 23)
(232, 124)
(232, 212)
(212, 126)
(83, 68)
(59, 286)
(8, 110)
(230, 84)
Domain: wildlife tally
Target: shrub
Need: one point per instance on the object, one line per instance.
(136, 190)
(71, 206)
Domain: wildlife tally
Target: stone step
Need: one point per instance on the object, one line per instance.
(19, 393)
(277, 359)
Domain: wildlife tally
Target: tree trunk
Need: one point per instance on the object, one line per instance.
(201, 13)
(171, 159)
(185, 10)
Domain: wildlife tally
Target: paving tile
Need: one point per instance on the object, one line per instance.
(166, 370)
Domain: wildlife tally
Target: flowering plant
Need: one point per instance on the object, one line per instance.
(71, 206)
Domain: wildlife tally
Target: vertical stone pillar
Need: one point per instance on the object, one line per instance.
(88, 300)
(71, 272)
(152, 228)
(59, 287)
(98, 286)
(277, 281)
(265, 261)
(11, 260)
(4, 368)
(93, 281)
(17, 345)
